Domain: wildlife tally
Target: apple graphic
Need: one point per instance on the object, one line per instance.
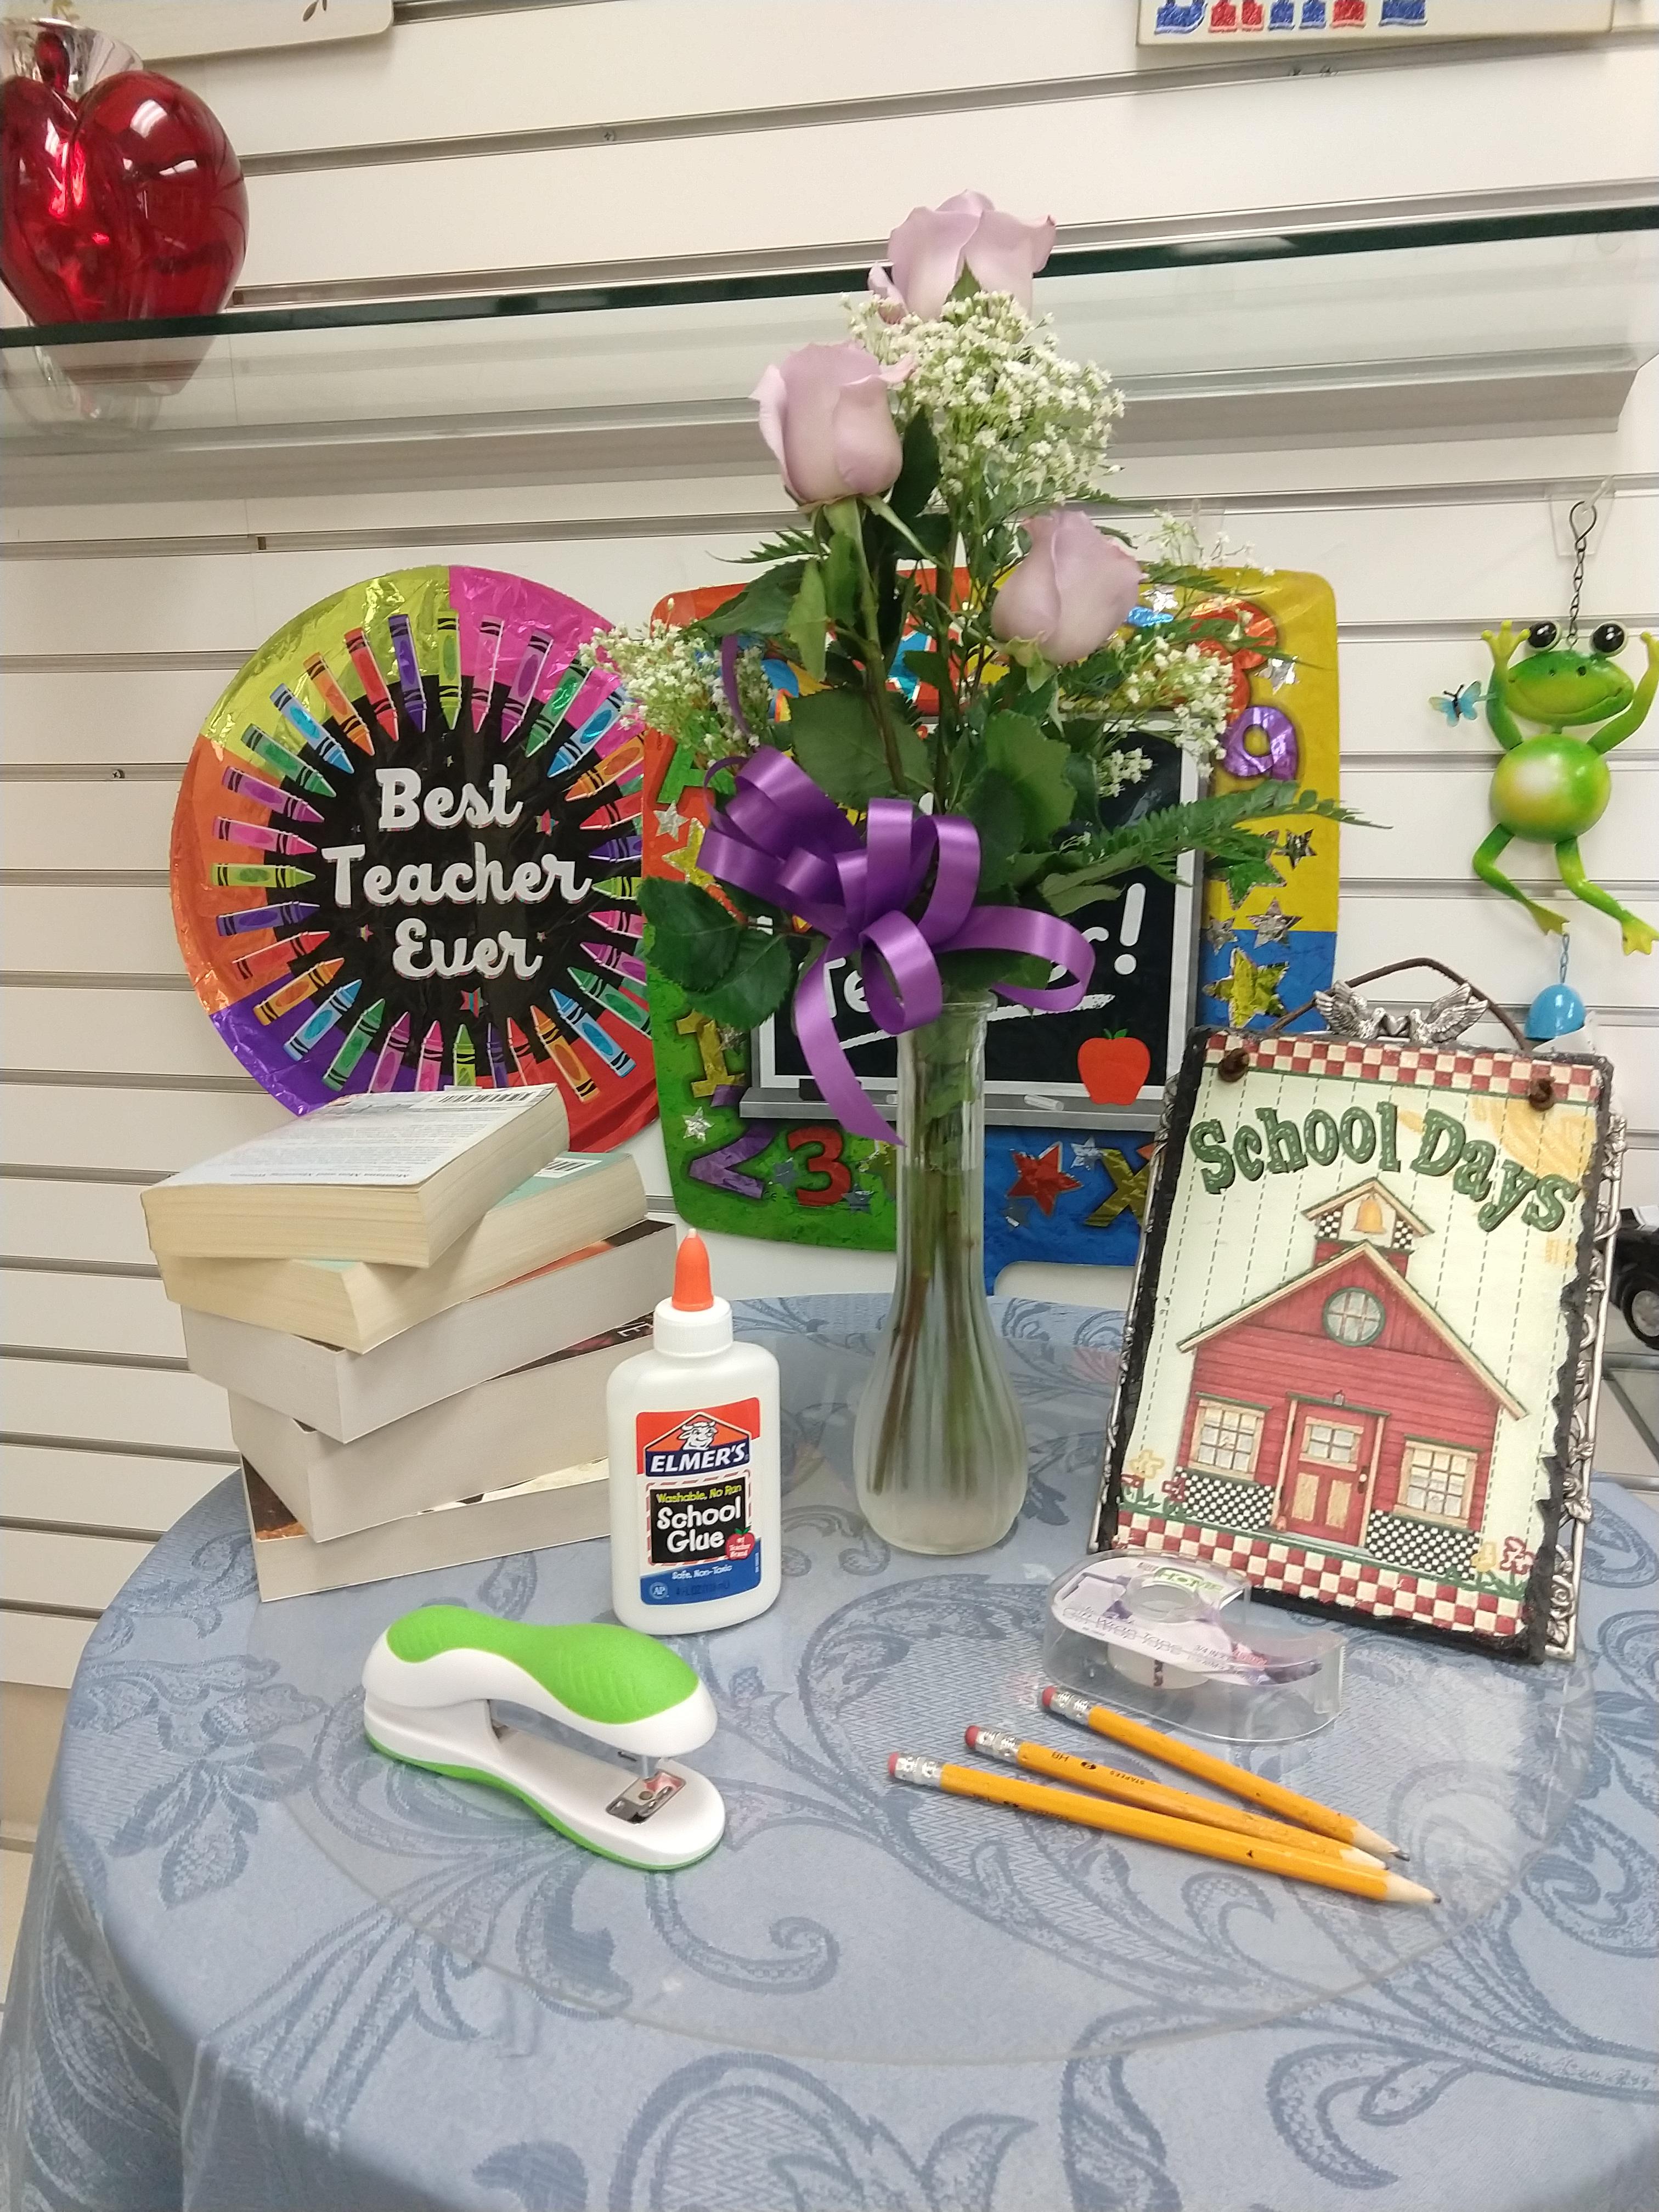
(1112, 1069)
(122, 199)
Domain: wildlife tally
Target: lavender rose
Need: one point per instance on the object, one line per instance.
(1071, 590)
(933, 246)
(824, 411)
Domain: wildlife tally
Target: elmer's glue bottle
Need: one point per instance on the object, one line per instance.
(694, 1533)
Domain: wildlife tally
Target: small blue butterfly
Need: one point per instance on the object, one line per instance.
(1461, 703)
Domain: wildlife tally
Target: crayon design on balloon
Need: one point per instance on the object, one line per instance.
(597, 1039)
(409, 669)
(562, 1053)
(322, 1024)
(463, 1065)
(390, 1064)
(359, 1038)
(348, 721)
(229, 832)
(264, 917)
(545, 726)
(267, 795)
(522, 688)
(280, 952)
(428, 1067)
(309, 730)
(369, 675)
(246, 875)
(294, 993)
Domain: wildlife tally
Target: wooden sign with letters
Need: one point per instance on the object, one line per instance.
(1363, 1351)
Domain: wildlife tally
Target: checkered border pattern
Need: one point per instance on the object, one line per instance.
(1492, 1073)
(1328, 1577)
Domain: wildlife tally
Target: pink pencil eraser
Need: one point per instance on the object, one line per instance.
(971, 1737)
(1045, 1695)
(892, 1764)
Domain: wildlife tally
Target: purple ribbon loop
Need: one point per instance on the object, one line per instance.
(781, 839)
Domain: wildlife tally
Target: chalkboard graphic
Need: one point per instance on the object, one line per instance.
(406, 854)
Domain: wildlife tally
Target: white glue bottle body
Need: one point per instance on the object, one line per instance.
(695, 1532)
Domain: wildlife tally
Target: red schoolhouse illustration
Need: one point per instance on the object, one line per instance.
(1343, 1392)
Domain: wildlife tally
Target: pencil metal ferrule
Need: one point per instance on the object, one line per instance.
(1069, 1706)
(923, 1773)
(995, 1743)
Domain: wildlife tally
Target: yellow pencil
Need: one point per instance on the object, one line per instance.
(1272, 1796)
(1158, 1796)
(1155, 1828)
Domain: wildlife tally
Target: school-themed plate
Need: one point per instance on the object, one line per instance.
(406, 854)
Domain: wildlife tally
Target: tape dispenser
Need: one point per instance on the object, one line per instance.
(1177, 1641)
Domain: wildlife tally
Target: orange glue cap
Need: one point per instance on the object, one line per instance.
(693, 1292)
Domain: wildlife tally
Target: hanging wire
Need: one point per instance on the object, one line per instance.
(1581, 534)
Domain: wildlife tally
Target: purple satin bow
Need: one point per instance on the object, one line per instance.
(779, 838)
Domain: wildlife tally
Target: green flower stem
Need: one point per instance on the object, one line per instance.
(940, 1448)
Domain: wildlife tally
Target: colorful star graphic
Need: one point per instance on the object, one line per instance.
(472, 1002)
(544, 822)
(1279, 672)
(1272, 925)
(671, 820)
(1298, 845)
(1042, 1177)
(1086, 1155)
(1217, 931)
(696, 1125)
(1250, 989)
(787, 1174)
(857, 1200)
(1131, 1180)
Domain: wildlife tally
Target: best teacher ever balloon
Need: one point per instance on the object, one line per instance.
(406, 854)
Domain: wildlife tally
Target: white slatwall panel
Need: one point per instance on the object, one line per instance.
(120, 624)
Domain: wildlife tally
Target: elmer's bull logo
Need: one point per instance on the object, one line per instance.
(700, 1444)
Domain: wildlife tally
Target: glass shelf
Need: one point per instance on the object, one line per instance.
(1462, 329)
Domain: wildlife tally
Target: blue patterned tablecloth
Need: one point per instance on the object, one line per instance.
(262, 1970)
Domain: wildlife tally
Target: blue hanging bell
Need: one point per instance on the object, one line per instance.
(1558, 1010)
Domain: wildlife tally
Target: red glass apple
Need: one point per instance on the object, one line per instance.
(122, 199)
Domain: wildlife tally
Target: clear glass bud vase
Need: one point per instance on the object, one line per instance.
(939, 1448)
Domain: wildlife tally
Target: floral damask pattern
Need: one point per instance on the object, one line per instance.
(264, 1966)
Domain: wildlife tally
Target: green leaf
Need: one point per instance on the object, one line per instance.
(1209, 825)
(808, 620)
(761, 608)
(979, 971)
(754, 986)
(938, 533)
(991, 805)
(694, 937)
(833, 734)
(918, 477)
(1035, 766)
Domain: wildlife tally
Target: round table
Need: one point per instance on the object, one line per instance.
(262, 1966)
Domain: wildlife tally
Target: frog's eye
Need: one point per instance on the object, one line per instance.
(1541, 636)
(1608, 637)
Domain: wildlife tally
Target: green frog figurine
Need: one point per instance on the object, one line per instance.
(1551, 788)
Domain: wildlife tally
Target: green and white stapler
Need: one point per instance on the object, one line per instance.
(431, 1679)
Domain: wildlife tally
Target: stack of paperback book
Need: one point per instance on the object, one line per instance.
(414, 1303)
